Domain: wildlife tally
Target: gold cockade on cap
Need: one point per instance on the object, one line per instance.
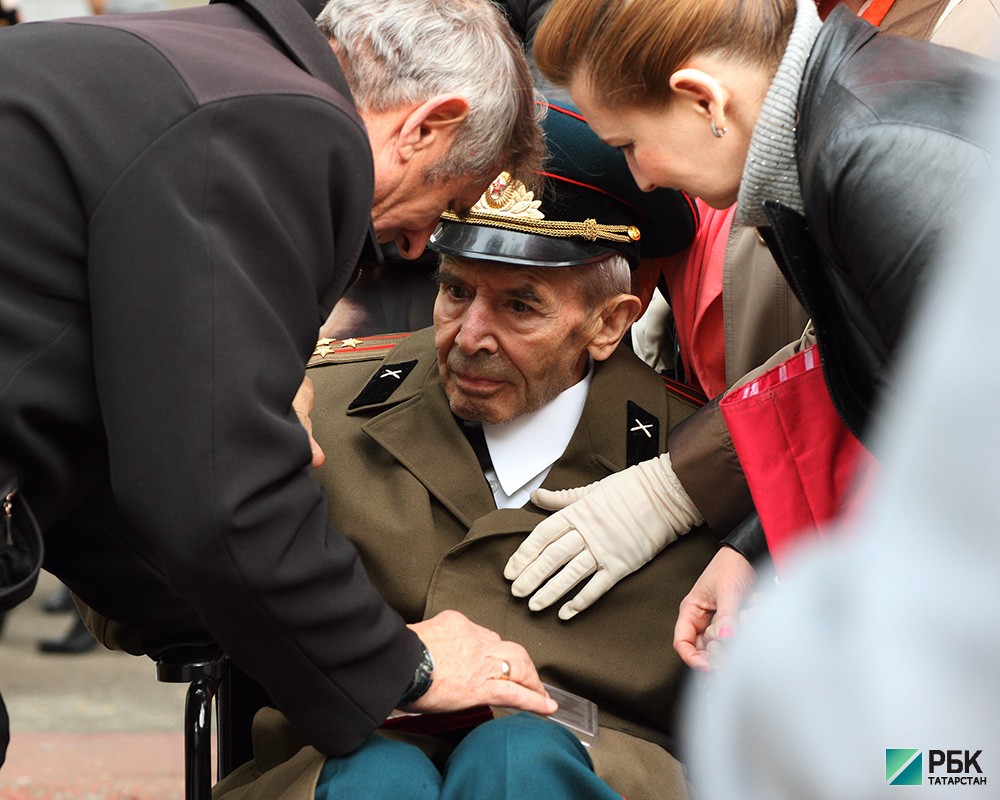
(508, 197)
(507, 203)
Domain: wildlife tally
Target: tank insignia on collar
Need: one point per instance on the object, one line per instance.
(383, 383)
(642, 438)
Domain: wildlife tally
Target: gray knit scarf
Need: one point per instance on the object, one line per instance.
(770, 172)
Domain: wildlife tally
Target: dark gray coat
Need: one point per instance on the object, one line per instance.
(184, 196)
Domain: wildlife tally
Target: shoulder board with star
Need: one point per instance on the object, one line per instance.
(342, 351)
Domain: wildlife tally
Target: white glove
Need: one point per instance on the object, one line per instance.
(611, 527)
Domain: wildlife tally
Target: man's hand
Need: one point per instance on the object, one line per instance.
(469, 671)
(709, 613)
(607, 529)
(303, 405)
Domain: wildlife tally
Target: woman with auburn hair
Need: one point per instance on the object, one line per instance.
(759, 102)
(853, 153)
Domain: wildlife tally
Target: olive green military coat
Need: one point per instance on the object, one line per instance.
(405, 486)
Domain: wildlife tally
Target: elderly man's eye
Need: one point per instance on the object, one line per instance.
(455, 291)
(520, 306)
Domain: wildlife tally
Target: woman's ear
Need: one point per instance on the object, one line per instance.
(702, 90)
(619, 313)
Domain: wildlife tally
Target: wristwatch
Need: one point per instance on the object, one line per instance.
(422, 679)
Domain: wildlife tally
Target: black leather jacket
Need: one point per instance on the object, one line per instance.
(890, 146)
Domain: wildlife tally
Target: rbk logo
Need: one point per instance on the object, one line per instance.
(904, 767)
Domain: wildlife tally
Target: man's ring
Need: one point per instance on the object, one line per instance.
(504, 670)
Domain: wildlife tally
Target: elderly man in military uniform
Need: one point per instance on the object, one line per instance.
(435, 439)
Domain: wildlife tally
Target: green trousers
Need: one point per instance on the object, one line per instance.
(520, 757)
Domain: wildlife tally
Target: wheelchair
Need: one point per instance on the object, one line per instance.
(213, 681)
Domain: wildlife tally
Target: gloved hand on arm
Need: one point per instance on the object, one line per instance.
(607, 530)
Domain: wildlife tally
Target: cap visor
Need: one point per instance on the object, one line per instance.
(485, 243)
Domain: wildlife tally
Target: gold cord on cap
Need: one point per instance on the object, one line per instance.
(508, 204)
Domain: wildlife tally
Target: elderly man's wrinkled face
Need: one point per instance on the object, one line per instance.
(508, 339)
(409, 213)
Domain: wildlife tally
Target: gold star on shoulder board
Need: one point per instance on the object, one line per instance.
(326, 346)
(353, 349)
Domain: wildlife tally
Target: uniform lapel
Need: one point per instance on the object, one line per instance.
(420, 433)
(599, 445)
(501, 522)
(418, 430)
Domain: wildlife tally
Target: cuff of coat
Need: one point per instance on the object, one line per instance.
(705, 461)
(749, 541)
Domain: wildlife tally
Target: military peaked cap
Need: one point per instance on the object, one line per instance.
(589, 208)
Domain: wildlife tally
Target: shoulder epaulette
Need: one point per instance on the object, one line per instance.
(367, 348)
(684, 392)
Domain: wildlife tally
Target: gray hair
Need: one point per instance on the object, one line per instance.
(595, 282)
(605, 279)
(396, 52)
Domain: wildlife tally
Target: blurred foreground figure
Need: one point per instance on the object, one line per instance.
(890, 640)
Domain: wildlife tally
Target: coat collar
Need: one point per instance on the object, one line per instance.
(597, 448)
(841, 35)
(292, 24)
(415, 425)
(770, 170)
(419, 348)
